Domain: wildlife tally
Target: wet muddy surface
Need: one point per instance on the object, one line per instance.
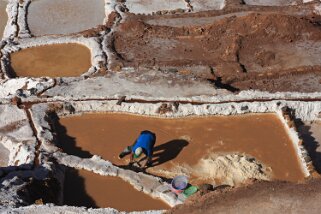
(246, 50)
(64, 16)
(59, 60)
(83, 188)
(3, 16)
(4, 156)
(183, 141)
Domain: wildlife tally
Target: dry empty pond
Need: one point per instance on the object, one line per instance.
(64, 16)
(3, 16)
(58, 60)
(83, 188)
(185, 140)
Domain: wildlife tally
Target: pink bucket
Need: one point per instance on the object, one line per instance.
(179, 183)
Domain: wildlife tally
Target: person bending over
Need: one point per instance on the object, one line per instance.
(144, 144)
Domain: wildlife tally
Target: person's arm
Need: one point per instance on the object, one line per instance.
(148, 161)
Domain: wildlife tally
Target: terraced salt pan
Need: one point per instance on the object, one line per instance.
(66, 60)
(184, 144)
(83, 188)
(3, 16)
(271, 2)
(64, 16)
(151, 6)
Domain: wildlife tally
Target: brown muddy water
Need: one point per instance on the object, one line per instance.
(3, 17)
(58, 60)
(185, 140)
(83, 188)
(64, 16)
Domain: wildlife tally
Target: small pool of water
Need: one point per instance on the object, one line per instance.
(185, 140)
(58, 60)
(83, 188)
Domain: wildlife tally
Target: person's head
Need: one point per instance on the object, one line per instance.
(138, 152)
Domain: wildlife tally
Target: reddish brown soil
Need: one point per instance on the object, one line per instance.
(185, 140)
(263, 197)
(248, 52)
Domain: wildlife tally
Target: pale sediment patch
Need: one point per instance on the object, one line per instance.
(204, 5)
(152, 6)
(231, 169)
(228, 169)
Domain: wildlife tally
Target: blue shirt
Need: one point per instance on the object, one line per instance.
(146, 141)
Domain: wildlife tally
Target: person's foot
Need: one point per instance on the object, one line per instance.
(121, 155)
(148, 164)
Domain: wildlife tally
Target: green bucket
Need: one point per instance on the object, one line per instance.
(190, 191)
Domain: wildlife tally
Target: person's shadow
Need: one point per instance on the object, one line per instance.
(167, 151)
(64, 141)
(310, 143)
(75, 193)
